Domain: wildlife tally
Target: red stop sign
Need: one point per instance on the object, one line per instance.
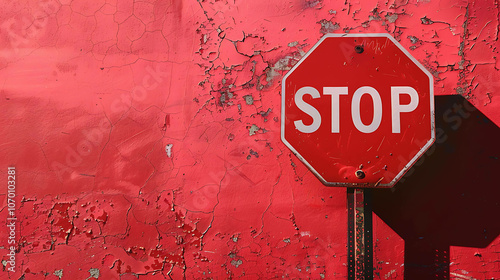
(358, 110)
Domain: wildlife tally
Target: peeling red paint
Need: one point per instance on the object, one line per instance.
(146, 134)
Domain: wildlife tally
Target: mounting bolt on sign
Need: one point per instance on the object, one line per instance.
(358, 110)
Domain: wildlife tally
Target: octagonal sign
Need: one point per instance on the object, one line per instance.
(358, 110)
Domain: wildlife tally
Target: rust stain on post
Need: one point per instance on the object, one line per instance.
(360, 235)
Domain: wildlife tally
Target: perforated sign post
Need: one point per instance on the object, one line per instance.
(358, 111)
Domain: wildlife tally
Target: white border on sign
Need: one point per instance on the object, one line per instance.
(432, 113)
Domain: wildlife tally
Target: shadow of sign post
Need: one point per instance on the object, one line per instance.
(450, 196)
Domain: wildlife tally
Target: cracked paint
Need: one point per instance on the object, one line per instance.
(146, 134)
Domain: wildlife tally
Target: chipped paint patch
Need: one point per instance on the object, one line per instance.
(252, 130)
(59, 273)
(168, 149)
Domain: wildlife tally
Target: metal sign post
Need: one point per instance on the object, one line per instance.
(359, 234)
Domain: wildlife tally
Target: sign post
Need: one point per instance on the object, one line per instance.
(359, 234)
(358, 111)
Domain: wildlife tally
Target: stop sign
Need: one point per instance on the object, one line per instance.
(358, 110)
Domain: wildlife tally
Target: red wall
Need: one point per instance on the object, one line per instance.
(146, 135)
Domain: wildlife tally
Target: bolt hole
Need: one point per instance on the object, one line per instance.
(359, 49)
(360, 174)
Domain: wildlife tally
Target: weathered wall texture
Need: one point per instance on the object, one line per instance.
(146, 134)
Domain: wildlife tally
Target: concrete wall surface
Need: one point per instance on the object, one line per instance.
(141, 140)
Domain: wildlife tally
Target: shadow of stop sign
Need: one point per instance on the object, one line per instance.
(358, 110)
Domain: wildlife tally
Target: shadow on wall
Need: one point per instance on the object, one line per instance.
(451, 196)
